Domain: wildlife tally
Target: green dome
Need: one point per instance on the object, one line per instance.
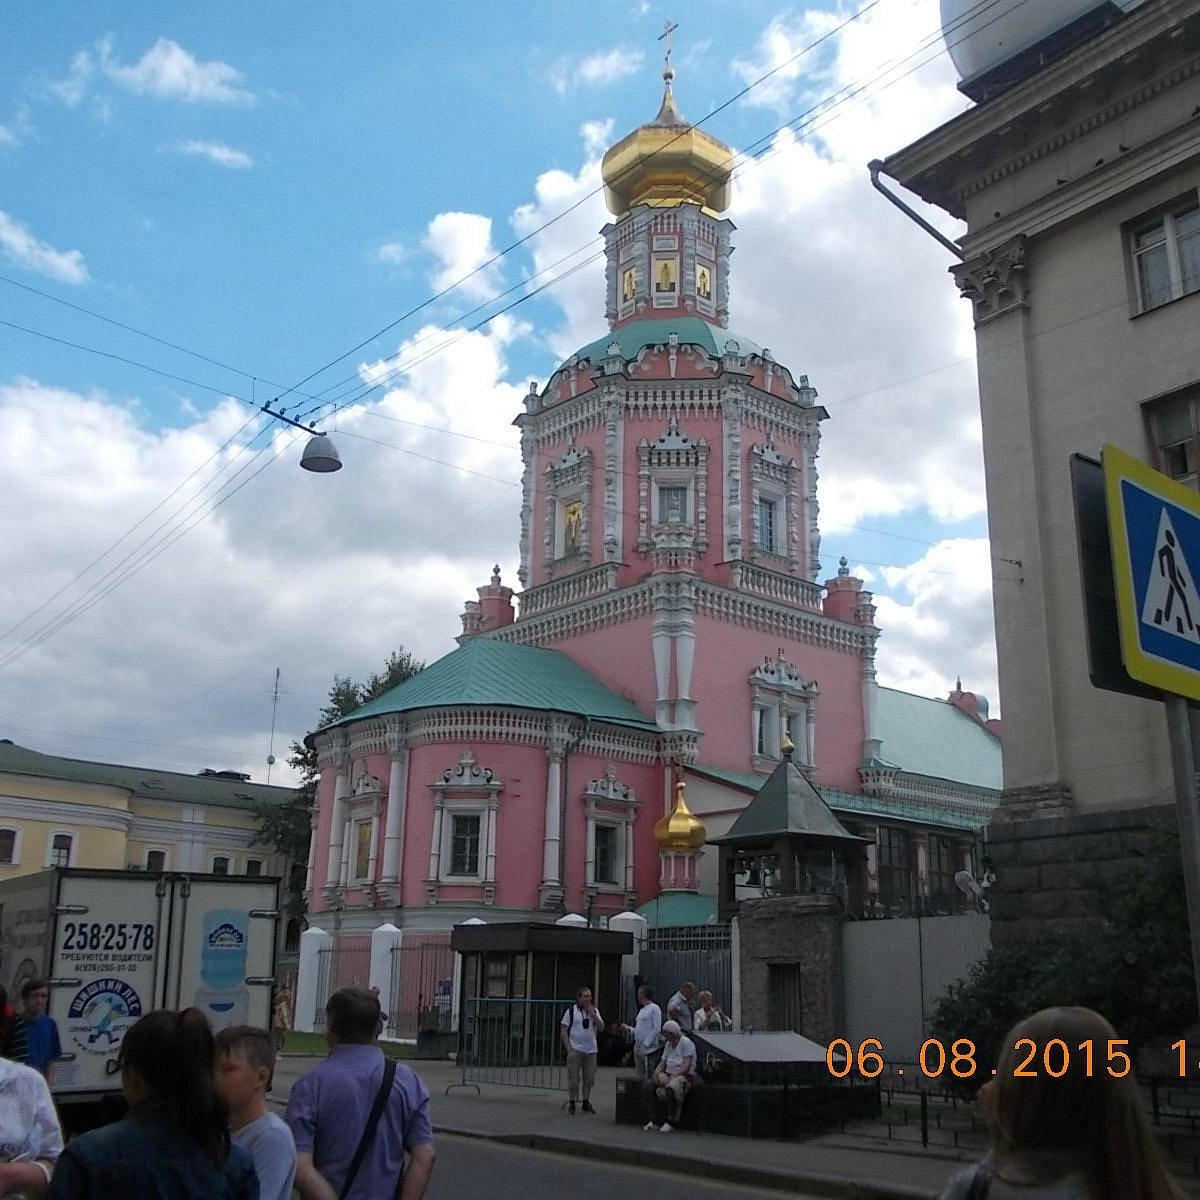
(691, 331)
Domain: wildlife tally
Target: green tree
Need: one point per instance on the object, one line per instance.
(1133, 964)
(286, 827)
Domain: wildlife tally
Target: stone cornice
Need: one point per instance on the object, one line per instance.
(63, 812)
(1034, 109)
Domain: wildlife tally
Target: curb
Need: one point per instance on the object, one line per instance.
(835, 1186)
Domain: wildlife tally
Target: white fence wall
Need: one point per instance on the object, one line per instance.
(894, 971)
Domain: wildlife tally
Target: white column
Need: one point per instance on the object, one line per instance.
(312, 942)
(810, 732)
(553, 837)
(381, 974)
(629, 841)
(310, 873)
(348, 846)
(660, 645)
(337, 823)
(435, 843)
(871, 747)
(393, 831)
(489, 862)
(589, 865)
(373, 851)
(635, 923)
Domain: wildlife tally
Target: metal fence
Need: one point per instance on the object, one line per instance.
(669, 957)
(422, 987)
(345, 962)
(515, 1043)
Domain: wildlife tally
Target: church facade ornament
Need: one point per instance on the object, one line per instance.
(995, 281)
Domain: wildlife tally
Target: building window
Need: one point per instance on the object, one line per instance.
(1166, 257)
(673, 505)
(767, 524)
(1175, 431)
(606, 854)
(362, 849)
(760, 731)
(254, 866)
(8, 847)
(941, 874)
(895, 870)
(220, 864)
(58, 853)
(156, 860)
(464, 844)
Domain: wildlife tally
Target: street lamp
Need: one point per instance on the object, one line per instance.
(320, 454)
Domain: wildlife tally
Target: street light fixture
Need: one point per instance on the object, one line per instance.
(319, 455)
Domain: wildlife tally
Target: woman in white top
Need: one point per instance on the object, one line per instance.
(708, 1015)
(30, 1135)
(1081, 1135)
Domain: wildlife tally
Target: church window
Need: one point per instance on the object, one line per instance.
(606, 854)
(362, 848)
(254, 866)
(895, 869)
(58, 852)
(767, 524)
(220, 864)
(9, 843)
(464, 844)
(673, 505)
(1166, 256)
(760, 731)
(1175, 432)
(156, 860)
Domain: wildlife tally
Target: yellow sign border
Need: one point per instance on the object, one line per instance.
(1147, 668)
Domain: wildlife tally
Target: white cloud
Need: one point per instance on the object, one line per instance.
(168, 71)
(603, 67)
(222, 155)
(787, 36)
(392, 253)
(74, 87)
(18, 129)
(462, 242)
(21, 247)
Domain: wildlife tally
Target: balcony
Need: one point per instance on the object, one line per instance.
(772, 585)
(572, 589)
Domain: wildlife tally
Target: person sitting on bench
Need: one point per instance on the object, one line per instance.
(664, 1092)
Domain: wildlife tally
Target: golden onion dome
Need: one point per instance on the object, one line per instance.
(666, 163)
(682, 829)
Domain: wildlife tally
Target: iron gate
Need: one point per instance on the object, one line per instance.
(345, 962)
(669, 957)
(422, 987)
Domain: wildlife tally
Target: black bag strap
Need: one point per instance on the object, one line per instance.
(364, 1142)
(981, 1184)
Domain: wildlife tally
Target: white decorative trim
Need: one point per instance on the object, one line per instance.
(609, 802)
(18, 844)
(465, 789)
(90, 816)
(779, 694)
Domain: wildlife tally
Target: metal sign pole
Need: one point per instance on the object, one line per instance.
(1183, 767)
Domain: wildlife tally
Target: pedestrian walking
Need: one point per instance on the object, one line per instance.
(174, 1143)
(646, 1032)
(581, 1024)
(1081, 1135)
(357, 1115)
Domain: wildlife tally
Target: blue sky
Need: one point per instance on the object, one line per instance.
(269, 185)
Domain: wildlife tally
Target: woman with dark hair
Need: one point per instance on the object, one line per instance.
(13, 1041)
(1079, 1133)
(174, 1142)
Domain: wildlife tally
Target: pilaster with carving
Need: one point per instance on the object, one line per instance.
(996, 281)
(558, 742)
(614, 431)
(732, 420)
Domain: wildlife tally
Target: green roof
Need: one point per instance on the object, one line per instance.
(931, 737)
(487, 672)
(691, 331)
(787, 805)
(146, 783)
(674, 909)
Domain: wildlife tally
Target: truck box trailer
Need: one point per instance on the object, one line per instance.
(114, 945)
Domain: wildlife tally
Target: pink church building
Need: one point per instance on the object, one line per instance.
(674, 623)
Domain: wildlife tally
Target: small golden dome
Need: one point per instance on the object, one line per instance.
(682, 829)
(666, 163)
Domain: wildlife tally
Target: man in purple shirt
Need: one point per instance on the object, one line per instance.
(330, 1106)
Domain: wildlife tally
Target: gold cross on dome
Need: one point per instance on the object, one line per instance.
(669, 28)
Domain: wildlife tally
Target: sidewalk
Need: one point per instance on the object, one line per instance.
(828, 1166)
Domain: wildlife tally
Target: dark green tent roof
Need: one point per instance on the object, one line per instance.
(787, 805)
(691, 331)
(488, 672)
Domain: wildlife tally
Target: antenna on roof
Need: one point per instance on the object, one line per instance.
(274, 710)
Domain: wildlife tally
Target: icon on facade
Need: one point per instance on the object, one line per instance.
(665, 276)
(703, 283)
(1170, 603)
(628, 284)
(572, 527)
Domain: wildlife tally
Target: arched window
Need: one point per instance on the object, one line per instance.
(220, 864)
(59, 850)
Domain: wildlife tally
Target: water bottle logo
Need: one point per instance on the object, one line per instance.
(226, 936)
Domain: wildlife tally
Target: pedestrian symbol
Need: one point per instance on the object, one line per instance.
(1170, 603)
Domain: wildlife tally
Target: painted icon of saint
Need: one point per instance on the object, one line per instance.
(572, 526)
(703, 283)
(628, 284)
(665, 279)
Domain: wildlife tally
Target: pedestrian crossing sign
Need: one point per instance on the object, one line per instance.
(1154, 525)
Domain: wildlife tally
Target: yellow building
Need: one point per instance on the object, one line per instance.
(71, 813)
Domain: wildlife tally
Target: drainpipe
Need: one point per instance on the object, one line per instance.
(875, 167)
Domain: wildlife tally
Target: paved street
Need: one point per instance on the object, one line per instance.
(469, 1166)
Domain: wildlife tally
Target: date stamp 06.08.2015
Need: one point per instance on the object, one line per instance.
(959, 1059)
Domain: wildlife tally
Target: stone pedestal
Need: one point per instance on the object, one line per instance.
(790, 965)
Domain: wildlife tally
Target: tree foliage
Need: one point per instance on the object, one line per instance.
(1133, 964)
(286, 827)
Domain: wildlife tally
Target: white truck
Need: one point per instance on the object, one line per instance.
(114, 945)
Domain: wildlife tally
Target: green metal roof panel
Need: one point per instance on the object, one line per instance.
(487, 672)
(787, 805)
(656, 331)
(922, 812)
(672, 910)
(931, 737)
(147, 783)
